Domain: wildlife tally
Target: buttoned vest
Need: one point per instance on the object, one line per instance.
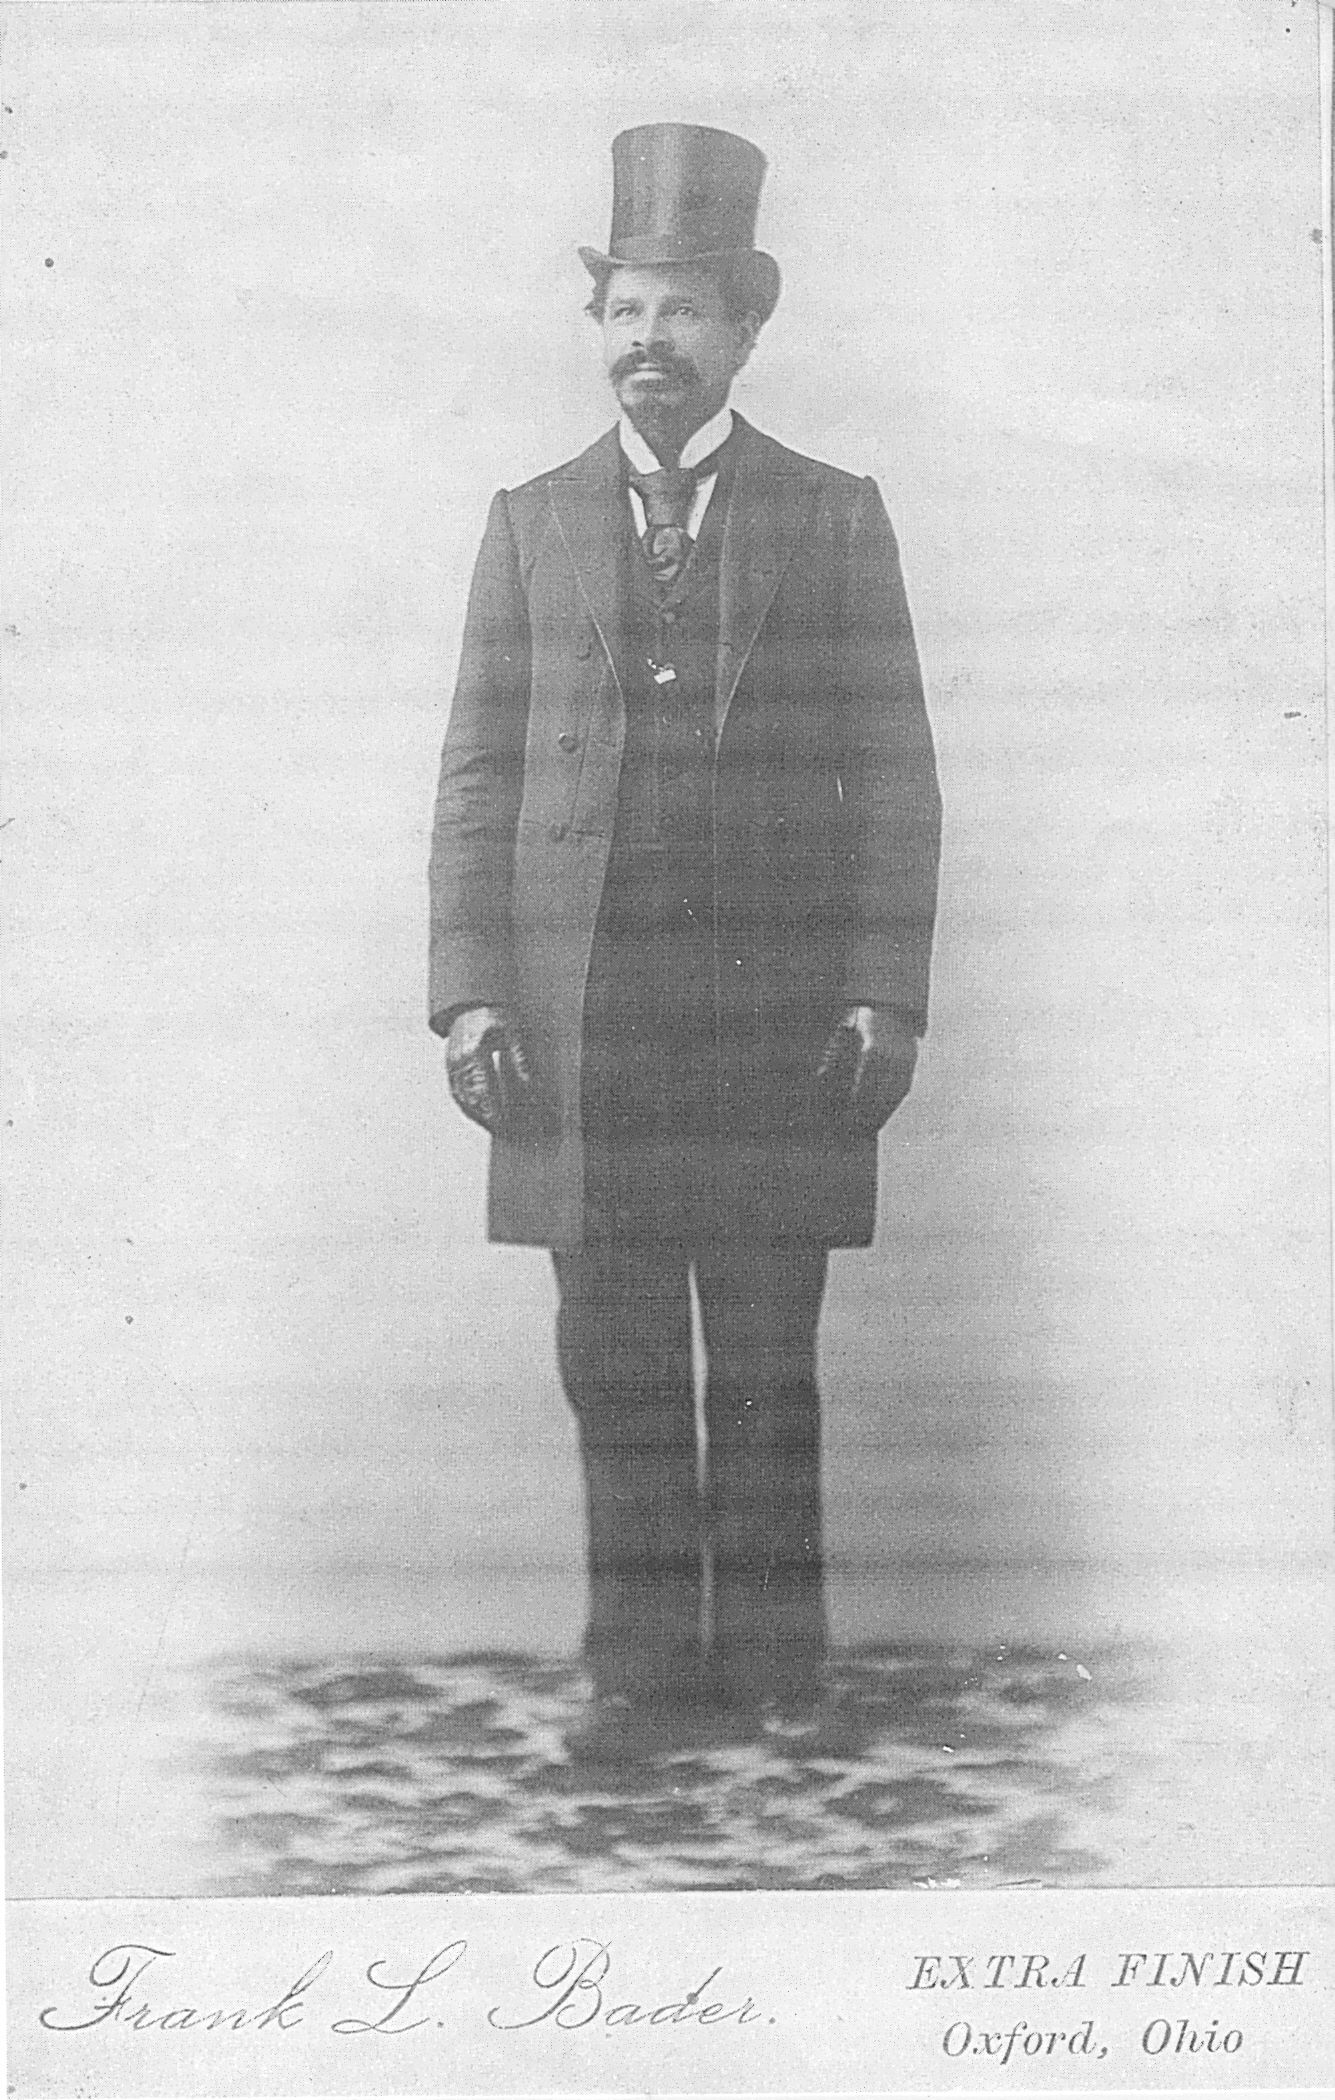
(668, 656)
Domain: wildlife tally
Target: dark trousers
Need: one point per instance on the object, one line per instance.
(704, 1559)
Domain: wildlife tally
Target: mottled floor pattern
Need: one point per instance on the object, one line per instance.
(933, 1768)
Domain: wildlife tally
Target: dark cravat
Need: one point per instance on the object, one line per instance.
(667, 496)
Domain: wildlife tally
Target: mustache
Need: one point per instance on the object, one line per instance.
(665, 361)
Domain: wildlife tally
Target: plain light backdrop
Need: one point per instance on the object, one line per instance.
(291, 290)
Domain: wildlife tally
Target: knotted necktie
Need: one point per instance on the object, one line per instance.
(667, 496)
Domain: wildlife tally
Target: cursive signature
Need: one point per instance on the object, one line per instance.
(130, 1985)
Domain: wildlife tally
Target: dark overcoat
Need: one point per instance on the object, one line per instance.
(825, 825)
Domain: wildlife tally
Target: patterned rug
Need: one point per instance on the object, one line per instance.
(931, 1767)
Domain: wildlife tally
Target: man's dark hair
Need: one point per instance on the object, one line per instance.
(732, 274)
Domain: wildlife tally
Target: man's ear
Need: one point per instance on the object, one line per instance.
(748, 328)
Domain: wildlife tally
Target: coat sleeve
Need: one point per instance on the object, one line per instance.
(891, 825)
(481, 786)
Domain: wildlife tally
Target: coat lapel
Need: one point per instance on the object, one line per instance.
(770, 496)
(587, 506)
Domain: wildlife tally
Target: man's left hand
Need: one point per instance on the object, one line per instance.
(866, 1068)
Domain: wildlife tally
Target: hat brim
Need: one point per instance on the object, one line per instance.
(753, 263)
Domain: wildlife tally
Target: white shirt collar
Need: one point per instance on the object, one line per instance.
(698, 445)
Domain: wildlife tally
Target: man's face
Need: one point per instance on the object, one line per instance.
(670, 348)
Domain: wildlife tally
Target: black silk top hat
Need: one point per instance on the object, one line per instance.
(686, 193)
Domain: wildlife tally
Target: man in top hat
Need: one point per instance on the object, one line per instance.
(683, 886)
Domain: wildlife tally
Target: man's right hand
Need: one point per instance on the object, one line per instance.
(488, 1068)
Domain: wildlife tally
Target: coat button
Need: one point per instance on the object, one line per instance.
(559, 830)
(568, 740)
(584, 646)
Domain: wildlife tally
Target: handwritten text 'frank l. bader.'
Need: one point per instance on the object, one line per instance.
(569, 1987)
